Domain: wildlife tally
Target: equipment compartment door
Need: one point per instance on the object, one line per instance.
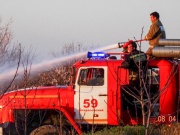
(91, 96)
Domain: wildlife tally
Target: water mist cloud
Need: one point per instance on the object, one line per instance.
(49, 64)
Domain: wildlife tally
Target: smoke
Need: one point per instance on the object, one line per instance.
(46, 65)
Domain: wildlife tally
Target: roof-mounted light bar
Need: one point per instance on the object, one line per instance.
(97, 55)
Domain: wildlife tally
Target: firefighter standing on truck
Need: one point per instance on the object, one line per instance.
(133, 56)
(156, 32)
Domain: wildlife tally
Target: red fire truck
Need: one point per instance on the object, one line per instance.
(90, 100)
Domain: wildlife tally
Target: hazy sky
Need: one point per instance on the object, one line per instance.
(49, 24)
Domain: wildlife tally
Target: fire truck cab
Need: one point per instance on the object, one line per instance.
(111, 101)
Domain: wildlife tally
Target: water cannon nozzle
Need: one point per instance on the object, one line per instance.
(120, 44)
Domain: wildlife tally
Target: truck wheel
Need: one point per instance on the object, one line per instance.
(46, 130)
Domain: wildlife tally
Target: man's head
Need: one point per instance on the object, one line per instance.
(154, 16)
(132, 46)
(100, 72)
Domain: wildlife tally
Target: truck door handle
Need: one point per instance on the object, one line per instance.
(102, 94)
